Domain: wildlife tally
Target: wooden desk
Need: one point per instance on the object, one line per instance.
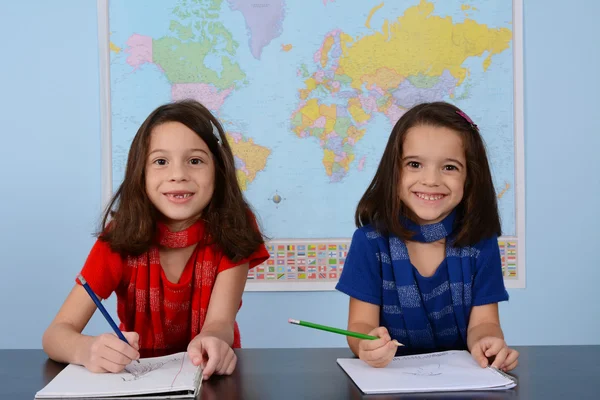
(545, 372)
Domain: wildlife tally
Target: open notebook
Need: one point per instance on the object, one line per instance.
(168, 377)
(434, 372)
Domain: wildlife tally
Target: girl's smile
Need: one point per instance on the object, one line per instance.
(179, 197)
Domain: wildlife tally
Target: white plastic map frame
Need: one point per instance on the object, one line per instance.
(255, 285)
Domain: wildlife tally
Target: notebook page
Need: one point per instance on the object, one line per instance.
(443, 371)
(152, 375)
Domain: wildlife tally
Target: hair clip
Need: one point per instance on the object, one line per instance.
(469, 120)
(215, 132)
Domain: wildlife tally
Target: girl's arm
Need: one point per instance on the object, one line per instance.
(211, 348)
(485, 339)
(484, 322)
(63, 341)
(363, 317)
(224, 303)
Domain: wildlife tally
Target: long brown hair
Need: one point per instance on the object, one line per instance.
(229, 220)
(477, 214)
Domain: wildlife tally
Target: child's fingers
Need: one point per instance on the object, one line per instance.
(115, 357)
(500, 357)
(204, 360)
(380, 353)
(382, 333)
(478, 356)
(511, 366)
(370, 345)
(110, 366)
(494, 347)
(381, 362)
(133, 338)
(510, 358)
(221, 362)
(226, 361)
(195, 350)
(214, 358)
(232, 364)
(120, 346)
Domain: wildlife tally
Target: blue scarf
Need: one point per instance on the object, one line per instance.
(402, 298)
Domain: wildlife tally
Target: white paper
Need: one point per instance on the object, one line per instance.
(165, 374)
(434, 372)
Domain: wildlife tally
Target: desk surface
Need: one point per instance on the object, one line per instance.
(544, 372)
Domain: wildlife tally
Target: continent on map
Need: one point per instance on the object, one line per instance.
(418, 57)
(419, 43)
(333, 126)
(264, 21)
(197, 35)
(249, 157)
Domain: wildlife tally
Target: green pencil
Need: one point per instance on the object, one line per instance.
(337, 330)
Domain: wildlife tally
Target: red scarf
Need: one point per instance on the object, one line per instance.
(149, 292)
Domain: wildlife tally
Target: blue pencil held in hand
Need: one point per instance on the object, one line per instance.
(103, 310)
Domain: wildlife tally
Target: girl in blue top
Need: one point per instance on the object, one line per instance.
(424, 264)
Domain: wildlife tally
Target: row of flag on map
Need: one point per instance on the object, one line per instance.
(302, 262)
(508, 255)
(324, 261)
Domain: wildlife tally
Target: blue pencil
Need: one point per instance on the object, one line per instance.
(103, 310)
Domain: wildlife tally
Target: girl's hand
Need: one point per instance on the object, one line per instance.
(377, 353)
(505, 358)
(213, 355)
(108, 353)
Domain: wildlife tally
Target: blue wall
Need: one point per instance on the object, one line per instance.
(50, 122)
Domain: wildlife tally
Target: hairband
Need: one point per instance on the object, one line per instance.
(215, 132)
(469, 120)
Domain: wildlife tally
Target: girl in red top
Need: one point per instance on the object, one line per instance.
(176, 251)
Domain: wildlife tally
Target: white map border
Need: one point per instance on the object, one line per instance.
(519, 184)
(519, 121)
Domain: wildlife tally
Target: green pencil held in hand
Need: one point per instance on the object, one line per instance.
(338, 331)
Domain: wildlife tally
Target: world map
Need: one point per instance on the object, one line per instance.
(308, 91)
